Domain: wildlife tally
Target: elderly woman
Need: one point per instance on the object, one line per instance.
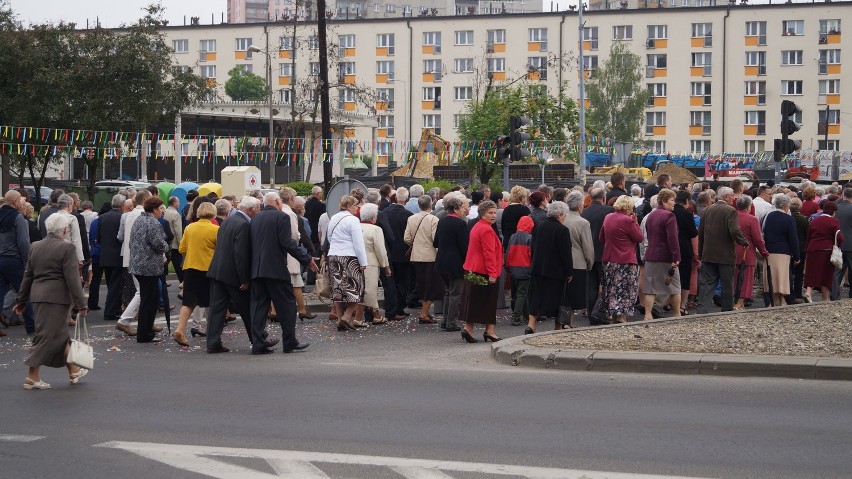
(347, 260)
(620, 234)
(782, 242)
(420, 236)
(819, 272)
(147, 256)
(377, 257)
(538, 207)
(662, 255)
(582, 251)
(197, 247)
(686, 232)
(451, 239)
(809, 203)
(483, 263)
(750, 228)
(802, 223)
(552, 267)
(52, 284)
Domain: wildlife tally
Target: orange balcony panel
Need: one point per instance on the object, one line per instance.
(751, 41)
(832, 38)
(428, 77)
(696, 71)
(697, 42)
(588, 103)
(211, 82)
(534, 76)
(498, 76)
(240, 55)
(696, 130)
(349, 106)
(661, 43)
(750, 130)
(533, 46)
(660, 101)
(284, 54)
(660, 72)
(383, 160)
(750, 100)
(427, 105)
(349, 52)
(499, 48)
(381, 51)
(833, 69)
(349, 132)
(283, 80)
(833, 129)
(659, 130)
(381, 77)
(349, 79)
(428, 49)
(381, 105)
(382, 133)
(751, 70)
(210, 57)
(696, 101)
(832, 99)
(587, 74)
(587, 45)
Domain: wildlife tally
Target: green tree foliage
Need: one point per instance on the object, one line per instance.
(616, 95)
(59, 77)
(243, 85)
(552, 118)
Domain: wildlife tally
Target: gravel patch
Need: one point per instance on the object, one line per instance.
(823, 330)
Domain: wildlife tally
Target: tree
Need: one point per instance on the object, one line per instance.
(244, 85)
(616, 95)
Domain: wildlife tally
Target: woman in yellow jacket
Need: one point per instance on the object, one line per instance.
(196, 246)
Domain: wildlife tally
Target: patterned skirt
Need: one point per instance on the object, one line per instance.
(620, 288)
(347, 279)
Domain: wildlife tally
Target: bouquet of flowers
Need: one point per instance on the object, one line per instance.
(476, 279)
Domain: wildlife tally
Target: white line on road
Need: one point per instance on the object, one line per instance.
(19, 438)
(299, 464)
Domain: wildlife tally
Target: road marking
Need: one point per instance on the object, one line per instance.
(19, 438)
(299, 464)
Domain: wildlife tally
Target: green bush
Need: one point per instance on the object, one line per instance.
(303, 188)
(444, 185)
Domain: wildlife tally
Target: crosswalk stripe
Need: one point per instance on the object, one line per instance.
(19, 438)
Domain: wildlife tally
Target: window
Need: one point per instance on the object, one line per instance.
(494, 37)
(700, 30)
(758, 89)
(286, 43)
(657, 61)
(793, 27)
(791, 57)
(538, 64)
(657, 89)
(245, 68)
(700, 118)
(386, 122)
(384, 148)
(432, 93)
(754, 146)
(314, 68)
(831, 57)
(433, 122)
(830, 145)
(538, 35)
(791, 87)
(658, 32)
(384, 67)
(208, 46)
(496, 65)
(286, 69)
(699, 146)
(432, 39)
(386, 95)
(458, 119)
(757, 29)
(180, 46)
(829, 87)
(463, 93)
(704, 60)
(390, 8)
(757, 59)
(658, 145)
(622, 32)
(243, 44)
(345, 95)
(347, 41)
(464, 37)
(313, 42)
(700, 88)
(346, 68)
(833, 117)
(208, 71)
(652, 119)
(432, 66)
(590, 63)
(590, 34)
(755, 118)
(386, 40)
(829, 26)
(463, 65)
(285, 96)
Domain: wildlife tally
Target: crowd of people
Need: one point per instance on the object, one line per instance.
(451, 256)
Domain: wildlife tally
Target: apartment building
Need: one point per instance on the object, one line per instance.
(717, 75)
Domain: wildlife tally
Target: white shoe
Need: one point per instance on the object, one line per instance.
(30, 384)
(78, 375)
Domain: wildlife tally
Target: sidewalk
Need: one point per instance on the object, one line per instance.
(516, 352)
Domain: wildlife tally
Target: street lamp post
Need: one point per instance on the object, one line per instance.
(257, 49)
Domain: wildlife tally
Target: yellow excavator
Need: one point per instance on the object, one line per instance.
(432, 150)
(634, 174)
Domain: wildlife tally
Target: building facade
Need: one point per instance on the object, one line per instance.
(717, 75)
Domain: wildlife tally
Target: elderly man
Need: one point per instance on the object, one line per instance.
(415, 193)
(14, 251)
(718, 231)
(48, 210)
(387, 281)
(397, 217)
(314, 208)
(595, 214)
(106, 237)
(175, 222)
(288, 200)
(762, 203)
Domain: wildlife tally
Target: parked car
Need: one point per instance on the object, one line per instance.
(45, 194)
(122, 184)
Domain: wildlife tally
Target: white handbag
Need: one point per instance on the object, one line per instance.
(836, 254)
(81, 353)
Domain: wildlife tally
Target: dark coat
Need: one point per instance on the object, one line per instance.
(686, 230)
(304, 239)
(718, 231)
(397, 217)
(551, 250)
(108, 239)
(451, 239)
(271, 241)
(231, 263)
(615, 192)
(383, 223)
(84, 237)
(595, 214)
(314, 208)
(43, 216)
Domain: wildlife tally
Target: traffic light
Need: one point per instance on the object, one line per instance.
(784, 146)
(504, 146)
(517, 136)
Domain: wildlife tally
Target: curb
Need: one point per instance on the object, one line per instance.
(515, 352)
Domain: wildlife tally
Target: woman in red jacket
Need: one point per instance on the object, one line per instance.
(483, 263)
(751, 230)
(819, 272)
(620, 234)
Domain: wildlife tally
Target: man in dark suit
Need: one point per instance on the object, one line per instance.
(719, 229)
(111, 261)
(271, 241)
(397, 217)
(595, 214)
(51, 208)
(617, 182)
(314, 208)
(451, 239)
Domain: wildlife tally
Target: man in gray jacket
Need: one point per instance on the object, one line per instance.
(844, 215)
(14, 251)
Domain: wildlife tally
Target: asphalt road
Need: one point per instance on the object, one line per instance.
(403, 400)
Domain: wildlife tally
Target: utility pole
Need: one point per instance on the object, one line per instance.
(325, 108)
(582, 96)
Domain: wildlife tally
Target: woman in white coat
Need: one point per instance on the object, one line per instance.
(377, 257)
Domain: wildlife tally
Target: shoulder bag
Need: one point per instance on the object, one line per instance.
(413, 239)
(81, 353)
(836, 254)
(323, 281)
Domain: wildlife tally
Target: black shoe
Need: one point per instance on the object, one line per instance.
(717, 300)
(297, 347)
(152, 339)
(264, 350)
(217, 349)
(517, 322)
(529, 330)
(452, 329)
(270, 341)
(487, 337)
(467, 337)
(594, 321)
(95, 308)
(197, 332)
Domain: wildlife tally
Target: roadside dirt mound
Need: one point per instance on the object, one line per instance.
(678, 174)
